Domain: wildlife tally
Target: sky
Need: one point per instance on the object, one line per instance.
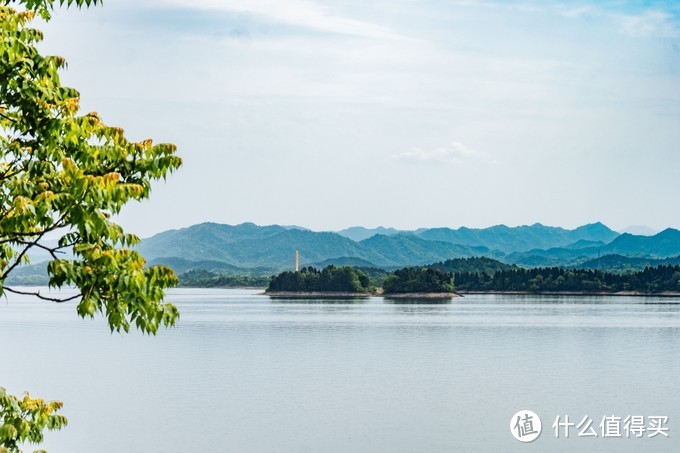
(401, 113)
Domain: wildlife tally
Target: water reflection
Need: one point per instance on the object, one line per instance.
(417, 300)
(243, 372)
(319, 300)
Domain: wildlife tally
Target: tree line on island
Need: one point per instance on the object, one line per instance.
(343, 279)
(347, 279)
(455, 275)
(651, 280)
(418, 280)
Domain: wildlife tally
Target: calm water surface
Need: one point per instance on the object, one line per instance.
(243, 373)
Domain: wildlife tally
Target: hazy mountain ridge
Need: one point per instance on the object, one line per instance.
(359, 233)
(247, 246)
(522, 238)
(665, 244)
(639, 230)
(272, 247)
(662, 245)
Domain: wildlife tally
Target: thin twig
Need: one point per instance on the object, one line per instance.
(51, 251)
(40, 296)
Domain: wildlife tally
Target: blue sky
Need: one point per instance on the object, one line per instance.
(402, 113)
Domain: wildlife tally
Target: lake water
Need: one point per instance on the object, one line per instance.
(243, 373)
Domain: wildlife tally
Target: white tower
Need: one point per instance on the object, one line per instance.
(297, 261)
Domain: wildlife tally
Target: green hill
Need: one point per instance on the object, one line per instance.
(665, 244)
(409, 250)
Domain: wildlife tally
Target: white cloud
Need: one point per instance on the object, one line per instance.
(649, 23)
(575, 11)
(303, 13)
(454, 153)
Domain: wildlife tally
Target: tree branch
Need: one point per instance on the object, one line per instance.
(29, 245)
(8, 118)
(52, 251)
(40, 296)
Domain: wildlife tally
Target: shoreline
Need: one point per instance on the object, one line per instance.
(262, 288)
(350, 295)
(575, 293)
(419, 295)
(315, 294)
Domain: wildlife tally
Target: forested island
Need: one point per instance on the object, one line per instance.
(342, 281)
(347, 281)
(419, 282)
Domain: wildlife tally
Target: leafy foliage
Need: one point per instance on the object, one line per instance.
(66, 174)
(419, 280)
(44, 7)
(330, 279)
(375, 274)
(25, 419)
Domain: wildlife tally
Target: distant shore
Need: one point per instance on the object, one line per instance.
(576, 293)
(321, 294)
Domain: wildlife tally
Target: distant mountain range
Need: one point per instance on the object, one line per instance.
(244, 247)
(251, 250)
(500, 237)
(520, 239)
(250, 246)
(665, 244)
(662, 245)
